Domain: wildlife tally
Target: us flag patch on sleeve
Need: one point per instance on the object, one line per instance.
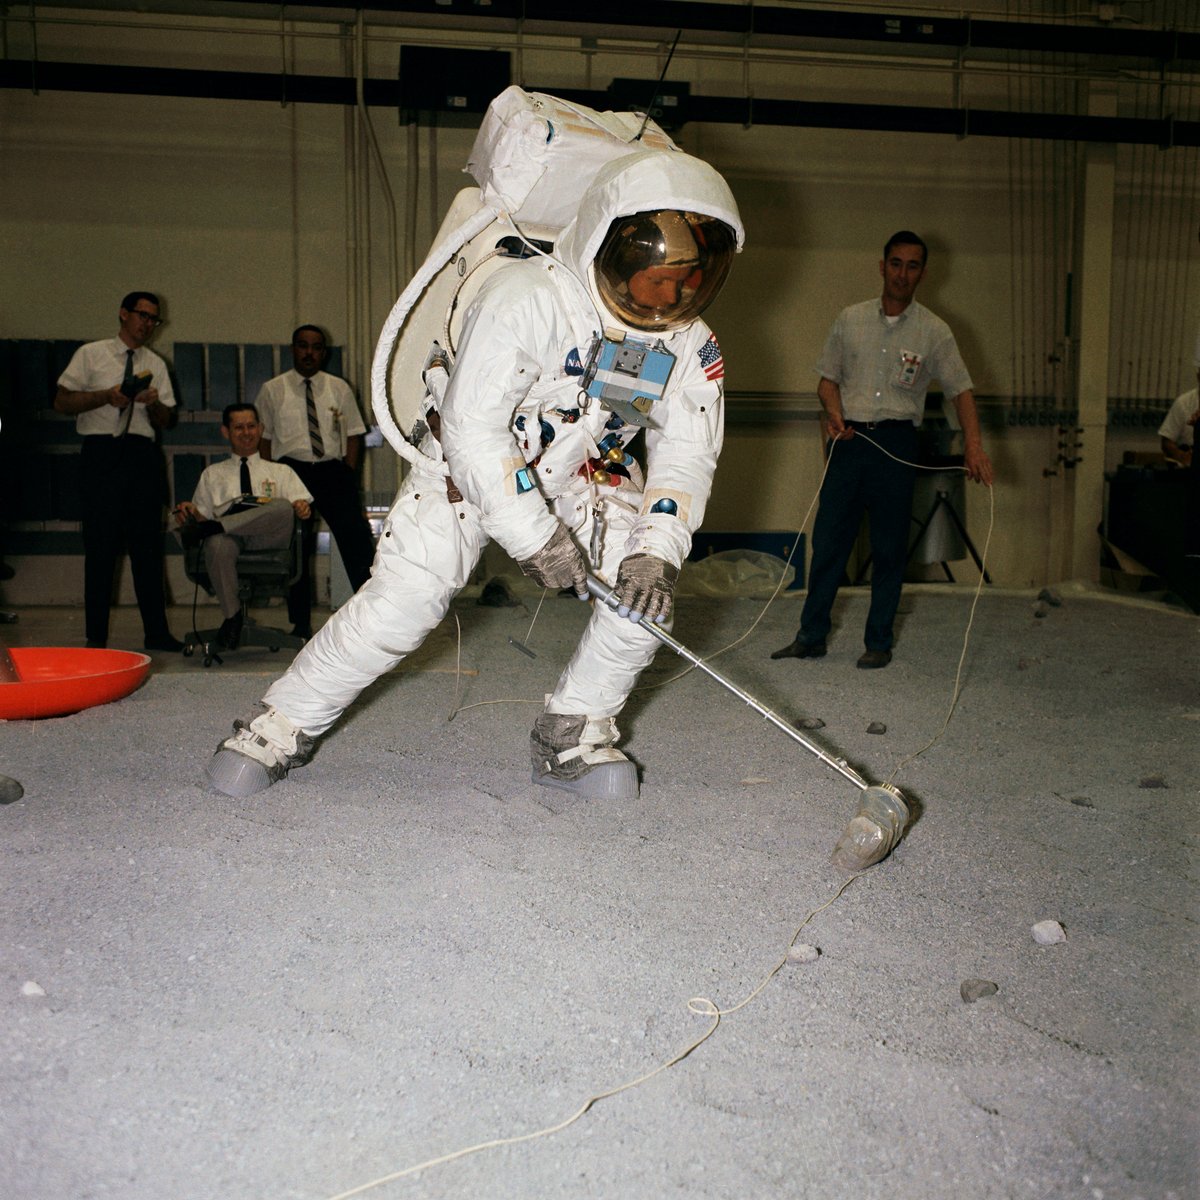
(711, 360)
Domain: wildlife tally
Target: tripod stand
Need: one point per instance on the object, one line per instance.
(942, 500)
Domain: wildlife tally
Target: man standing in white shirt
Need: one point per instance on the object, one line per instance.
(120, 395)
(312, 424)
(878, 362)
(241, 503)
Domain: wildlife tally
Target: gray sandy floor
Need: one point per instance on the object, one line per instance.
(407, 949)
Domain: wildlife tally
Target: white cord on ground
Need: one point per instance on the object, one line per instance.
(962, 658)
(700, 1005)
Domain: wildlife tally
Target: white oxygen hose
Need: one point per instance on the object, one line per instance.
(437, 258)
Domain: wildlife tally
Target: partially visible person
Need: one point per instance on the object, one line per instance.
(876, 367)
(312, 424)
(1177, 432)
(120, 395)
(241, 503)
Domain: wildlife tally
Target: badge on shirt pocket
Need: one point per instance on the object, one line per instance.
(909, 368)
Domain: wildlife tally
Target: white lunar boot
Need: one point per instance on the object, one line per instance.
(261, 751)
(578, 755)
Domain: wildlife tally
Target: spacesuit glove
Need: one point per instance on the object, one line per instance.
(558, 564)
(644, 588)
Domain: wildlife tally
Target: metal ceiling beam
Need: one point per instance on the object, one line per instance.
(27, 75)
(742, 24)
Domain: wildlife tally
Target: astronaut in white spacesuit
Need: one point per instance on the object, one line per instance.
(540, 464)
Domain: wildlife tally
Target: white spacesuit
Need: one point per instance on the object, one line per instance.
(540, 464)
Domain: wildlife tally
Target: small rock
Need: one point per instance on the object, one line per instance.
(974, 989)
(1048, 933)
(1050, 596)
(1153, 781)
(1040, 610)
(877, 727)
(10, 790)
(29, 988)
(1082, 801)
(810, 723)
(803, 953)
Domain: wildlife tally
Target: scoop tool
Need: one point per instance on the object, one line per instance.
(883, 811)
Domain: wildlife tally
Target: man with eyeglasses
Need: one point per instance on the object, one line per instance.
(311, 423)
(120, 395)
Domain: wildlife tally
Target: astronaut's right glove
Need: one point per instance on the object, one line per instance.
(558, 564)
(645, 585)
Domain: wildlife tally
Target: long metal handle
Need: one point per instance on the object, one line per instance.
(604, 593)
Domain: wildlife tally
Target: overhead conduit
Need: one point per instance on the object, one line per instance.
(746, 25)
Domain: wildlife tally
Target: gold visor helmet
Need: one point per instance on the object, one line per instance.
(658, 271)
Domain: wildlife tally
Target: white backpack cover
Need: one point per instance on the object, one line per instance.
(533, 158)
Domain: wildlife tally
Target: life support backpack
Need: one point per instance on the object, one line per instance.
(534, 158)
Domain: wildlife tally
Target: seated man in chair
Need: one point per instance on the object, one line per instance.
(241, 503)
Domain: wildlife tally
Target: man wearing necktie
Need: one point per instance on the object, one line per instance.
(120, 395)
(241, 503)
(311, 423)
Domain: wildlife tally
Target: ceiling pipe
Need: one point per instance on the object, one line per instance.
(722, 110)
(932, 32)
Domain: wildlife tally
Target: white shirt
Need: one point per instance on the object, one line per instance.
(221, 484)
(283, 408)
(1175, 424)
(98, 366)
(883, 369)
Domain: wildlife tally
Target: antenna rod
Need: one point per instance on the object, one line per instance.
(658, 86)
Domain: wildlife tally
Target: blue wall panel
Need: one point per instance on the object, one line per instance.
(189, 375)
(259, 367)
(222, 376)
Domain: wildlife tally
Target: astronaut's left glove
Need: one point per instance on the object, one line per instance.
(645, 585)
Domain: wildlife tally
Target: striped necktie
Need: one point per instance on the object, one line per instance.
(314, 426)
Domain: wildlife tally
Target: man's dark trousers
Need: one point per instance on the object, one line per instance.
(863, 479)
(334, 489)
(123, 489)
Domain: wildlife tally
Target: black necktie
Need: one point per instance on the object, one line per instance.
(314, 426)
(126, 418)
(247, 487)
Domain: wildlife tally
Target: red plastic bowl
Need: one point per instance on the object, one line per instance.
(56, 680)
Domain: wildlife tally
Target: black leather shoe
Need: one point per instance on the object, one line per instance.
(230, 633)
(799, 649)
(168, 643)
(872, 660)
(302, 631)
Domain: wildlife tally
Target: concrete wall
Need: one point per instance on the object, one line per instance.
(246, 218)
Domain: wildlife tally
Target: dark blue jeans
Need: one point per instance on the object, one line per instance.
(862, 479)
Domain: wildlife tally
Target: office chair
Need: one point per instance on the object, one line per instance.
(262, 574)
